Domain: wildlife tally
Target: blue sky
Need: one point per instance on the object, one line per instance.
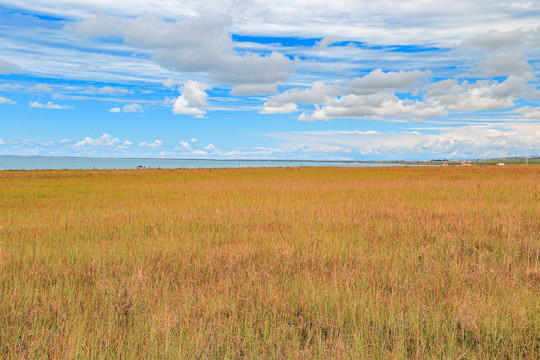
(270, 79)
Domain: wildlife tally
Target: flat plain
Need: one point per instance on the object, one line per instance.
(286, 263)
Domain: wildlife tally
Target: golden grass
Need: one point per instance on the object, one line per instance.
(301, 263)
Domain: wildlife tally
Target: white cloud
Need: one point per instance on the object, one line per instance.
(4, 100)
(7, 67)
(126, 144)
(129, 108)
(468, 141)
(254, 89)
(481, 95)
(211, 148)
(169, 82)
(378, 80)
(253, 69)
(193, 140)
(319, 93)
(10, 87)
(41, 88)
(104, 140)
(193, 97)
(389, 21)
(184, 146)
(1, 142)
(496, 39)
(199, 43)
(529, 112)
(182, 107)
(330, 102)
(49, 105)
(326, 41)
(156, 143)
(375, 106)
(503, 64)
(199, 152)
(109, 90)
(279, 109)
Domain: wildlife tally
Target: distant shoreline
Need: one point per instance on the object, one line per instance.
(193, 159)
(533, 158)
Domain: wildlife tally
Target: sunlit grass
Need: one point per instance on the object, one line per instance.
(425, 262)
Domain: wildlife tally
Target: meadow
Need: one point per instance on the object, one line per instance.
(286, 263)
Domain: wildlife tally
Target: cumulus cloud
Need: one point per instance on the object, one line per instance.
(184, 145)
(326, 41)
(254, 89)
(193, 97)
(156, 143)
(7, 67)
(109, 90)
(199, 43)
(10, 87)
(104, 140)
(375, 106)
(169, 82)
(503, 64)
(49, 105)
(378, 80)
(330, 101)
(529, 112)
(125, 144)
(199, 152)
(211, 148)
(41, 88)
(495, 39)
(279, 108)
(129, 108)
(100, 26)
(319, 93)
(253, 69)
(4, 100)
(374, 96)
(481, 95)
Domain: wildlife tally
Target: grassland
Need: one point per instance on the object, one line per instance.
(304, 263)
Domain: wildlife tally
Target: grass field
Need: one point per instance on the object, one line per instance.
(298, 263)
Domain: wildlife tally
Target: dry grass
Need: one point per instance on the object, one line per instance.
(408, 262)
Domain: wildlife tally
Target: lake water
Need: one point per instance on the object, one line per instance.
(61, 163)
